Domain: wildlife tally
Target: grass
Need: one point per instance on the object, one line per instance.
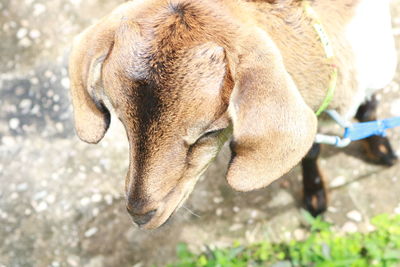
(324, 247)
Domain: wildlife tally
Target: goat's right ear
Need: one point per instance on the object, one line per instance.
(273, 128)
(89, 51)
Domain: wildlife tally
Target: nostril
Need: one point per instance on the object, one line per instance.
(142, 219)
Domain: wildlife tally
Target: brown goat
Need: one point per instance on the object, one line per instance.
(184, 75)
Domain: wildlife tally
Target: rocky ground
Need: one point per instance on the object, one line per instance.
(61, 200)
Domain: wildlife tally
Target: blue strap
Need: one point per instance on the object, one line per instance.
(358, 131)
(355, 131)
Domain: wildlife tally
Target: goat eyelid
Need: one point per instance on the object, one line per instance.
(209, 133)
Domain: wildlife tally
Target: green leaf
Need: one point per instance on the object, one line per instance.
(323, 248)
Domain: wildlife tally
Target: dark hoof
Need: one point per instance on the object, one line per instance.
(379, 151)
(316, 202)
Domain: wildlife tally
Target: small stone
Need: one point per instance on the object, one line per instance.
(25, 104)
(370, 227)
(51, 198)
(218, 200)
(81, 175)
(8, 140)
(299, 234)
(40, 195)
(96, 169)
(28, 212)
(95, 212)
(56, 98)
(109, 199)
(42, 206)
(287, 235)
(395, 108)
(84, 201)
(35, 110)
(397, 209)
(218, 212)
(349, 227)
(253, 213)
(22, 187)
(48, 74)
(73, 260)
(34, 81)
(338, 181)
(25, 42)
(235, 227)
(34, 34)
(332, 209)
(354, 215)
(96, 198)
(38, 9)
(21, 33)
(3, 215)
(91, 232)
(75, 2)
(59, 127)
(282, 198)
(48, 43)
(13, 123)
(65, 82)
(56, 108)
(285, 183)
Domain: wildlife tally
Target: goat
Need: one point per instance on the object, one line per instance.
(184, 76)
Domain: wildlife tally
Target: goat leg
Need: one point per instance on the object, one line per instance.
(315, 195)
(378, 148)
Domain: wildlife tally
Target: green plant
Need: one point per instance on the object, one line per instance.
(323, 248)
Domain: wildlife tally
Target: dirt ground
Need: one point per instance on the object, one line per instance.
(61, 200)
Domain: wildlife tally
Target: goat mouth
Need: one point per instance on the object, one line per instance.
(169, 208)
(171, 203)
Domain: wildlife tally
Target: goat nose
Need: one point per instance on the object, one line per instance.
(141, 219)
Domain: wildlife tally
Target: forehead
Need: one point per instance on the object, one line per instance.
(162, 72)
(187, 82)
(195, 77)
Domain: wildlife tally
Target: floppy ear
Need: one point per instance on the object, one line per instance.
(273, 128)
(88, 54)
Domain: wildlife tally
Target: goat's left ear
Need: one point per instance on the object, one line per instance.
(90, 49)
(273, 128)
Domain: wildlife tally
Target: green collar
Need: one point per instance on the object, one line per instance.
(323, 36)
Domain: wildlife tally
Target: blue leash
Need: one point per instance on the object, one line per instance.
(356, 131)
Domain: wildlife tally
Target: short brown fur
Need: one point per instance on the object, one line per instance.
(182, 75)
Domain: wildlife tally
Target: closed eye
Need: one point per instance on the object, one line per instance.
(212, 133)
(208, 134)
